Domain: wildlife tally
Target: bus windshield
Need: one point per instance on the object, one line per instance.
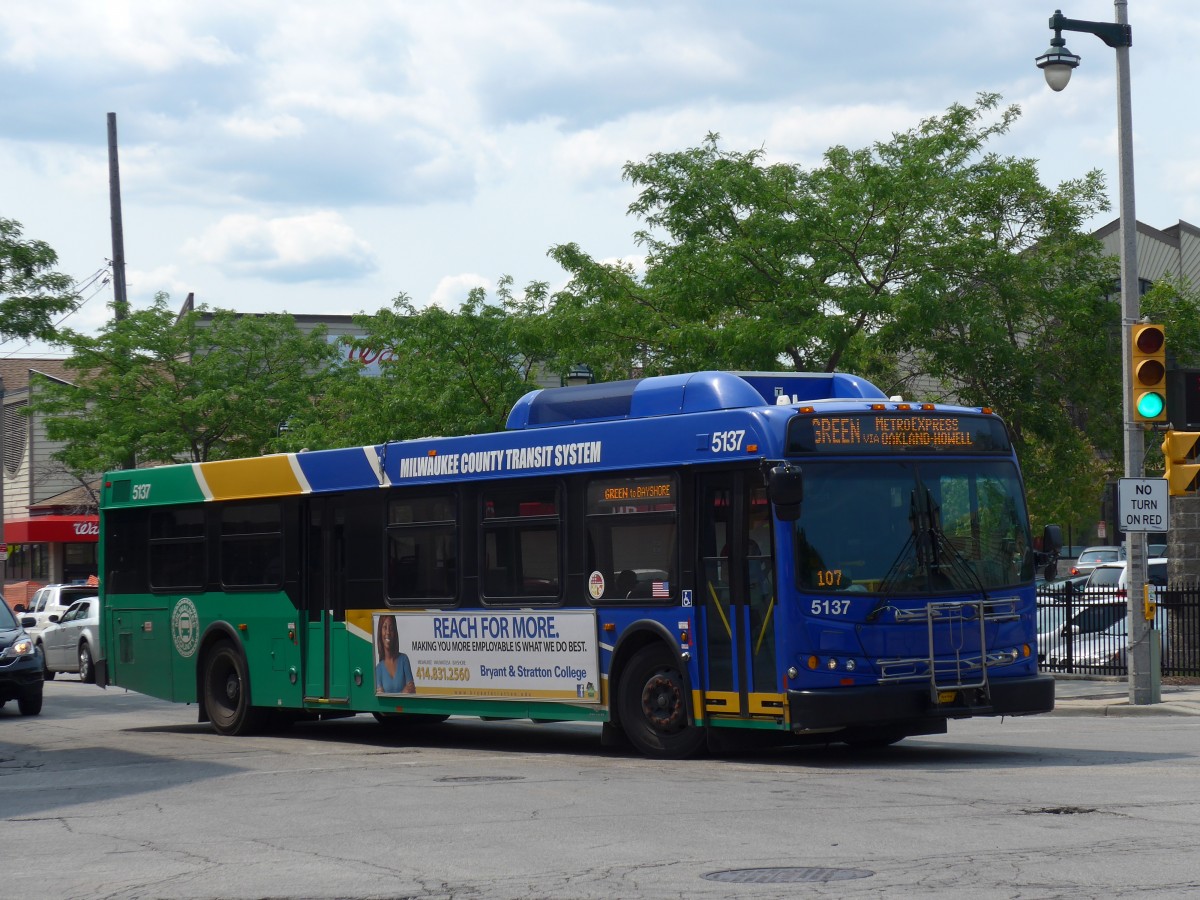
(909, 528)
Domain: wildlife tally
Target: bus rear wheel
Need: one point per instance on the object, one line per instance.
(227, 692)
(653, 706)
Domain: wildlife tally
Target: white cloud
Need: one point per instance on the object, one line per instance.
(451, 292)
(153, 36)
(393, 145)
(258, 128)
(314, 247)
(142, 285)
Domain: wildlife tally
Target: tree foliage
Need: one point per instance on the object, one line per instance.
(440, 372)
(32, 294)
(925, 263)
(157, 389)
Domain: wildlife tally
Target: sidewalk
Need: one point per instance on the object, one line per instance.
(1074, 696)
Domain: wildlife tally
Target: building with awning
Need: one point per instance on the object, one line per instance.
(50, 521)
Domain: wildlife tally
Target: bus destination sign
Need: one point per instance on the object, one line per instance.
(892, 432)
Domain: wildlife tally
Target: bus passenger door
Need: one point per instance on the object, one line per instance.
(326, 677)
(737, 596)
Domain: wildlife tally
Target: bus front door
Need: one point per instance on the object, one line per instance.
(326, 672)
(738, 598)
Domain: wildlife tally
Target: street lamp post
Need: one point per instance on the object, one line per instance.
(1057, 63)
(579, 374)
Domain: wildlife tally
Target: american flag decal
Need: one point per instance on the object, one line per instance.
(660, 589)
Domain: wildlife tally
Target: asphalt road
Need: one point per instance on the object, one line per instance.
(110, 794)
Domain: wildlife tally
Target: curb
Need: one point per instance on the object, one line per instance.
(1123, 709)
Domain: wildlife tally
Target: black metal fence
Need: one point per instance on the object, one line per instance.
(1086, 630)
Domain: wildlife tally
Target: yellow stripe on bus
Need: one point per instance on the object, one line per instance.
(728, 703)
(263, 476)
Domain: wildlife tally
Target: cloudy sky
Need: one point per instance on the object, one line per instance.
(323, 157)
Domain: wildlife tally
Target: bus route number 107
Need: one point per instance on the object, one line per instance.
(728, 441)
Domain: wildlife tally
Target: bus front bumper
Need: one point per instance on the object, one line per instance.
(887, 704)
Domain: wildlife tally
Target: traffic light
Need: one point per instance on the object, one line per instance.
(1183, 469)
(1147, 344)
(1183, 398)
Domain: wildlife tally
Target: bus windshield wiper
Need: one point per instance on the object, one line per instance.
(958, 570)
(913, 559)
(928, 552)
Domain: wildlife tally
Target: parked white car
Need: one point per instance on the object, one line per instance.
(72, 643)
(53, 600)
(1096, 638)
(1111, 579)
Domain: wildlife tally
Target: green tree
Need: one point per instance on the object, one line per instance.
(32, 294)
(157, 389)
(925, 263)
(1174, 302)
(440, 372)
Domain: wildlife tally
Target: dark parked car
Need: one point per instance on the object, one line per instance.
(20, 664)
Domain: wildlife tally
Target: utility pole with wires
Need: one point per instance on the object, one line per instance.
(120, 299)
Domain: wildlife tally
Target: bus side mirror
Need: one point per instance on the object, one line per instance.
(785, 487)
(1051, 539)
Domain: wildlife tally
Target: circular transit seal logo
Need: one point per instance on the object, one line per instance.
(185, 627)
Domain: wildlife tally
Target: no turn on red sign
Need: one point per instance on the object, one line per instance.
(1143, 504)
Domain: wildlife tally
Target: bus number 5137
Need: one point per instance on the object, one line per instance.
(728, 441)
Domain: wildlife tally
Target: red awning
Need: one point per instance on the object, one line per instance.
(52, 530)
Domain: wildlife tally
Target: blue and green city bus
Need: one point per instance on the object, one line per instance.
(684, 559)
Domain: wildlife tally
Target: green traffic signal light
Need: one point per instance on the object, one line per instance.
(1148, 366)
(1150, 405)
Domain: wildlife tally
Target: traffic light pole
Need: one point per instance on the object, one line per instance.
(1144, 685)
(1057, 64)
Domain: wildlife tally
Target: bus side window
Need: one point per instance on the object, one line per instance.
(627, 582)
(498, 582)
(632, 534)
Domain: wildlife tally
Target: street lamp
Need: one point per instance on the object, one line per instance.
(1057, 64)
(579, 375)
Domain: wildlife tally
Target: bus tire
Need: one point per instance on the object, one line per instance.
(653, 706)
(227, 692)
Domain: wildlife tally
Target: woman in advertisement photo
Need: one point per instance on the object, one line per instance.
(393, 674)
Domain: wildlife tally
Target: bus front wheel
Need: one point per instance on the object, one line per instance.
(227, 692)
(653, 706)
